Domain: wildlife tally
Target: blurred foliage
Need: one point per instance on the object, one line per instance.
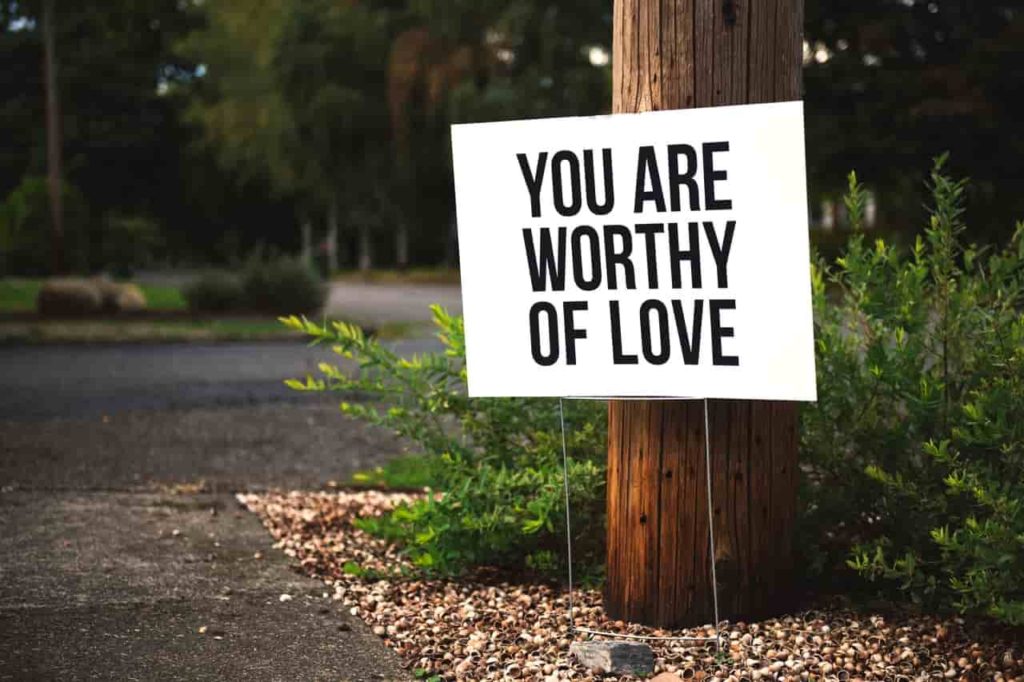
(230, 123)
(913, 468)
(25, 229)
(900, 81)
(272, 286)
(281, 285)
(498, 460)
(914, 452)
(129, 242)
(216, 291)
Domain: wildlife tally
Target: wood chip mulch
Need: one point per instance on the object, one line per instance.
(484, 627)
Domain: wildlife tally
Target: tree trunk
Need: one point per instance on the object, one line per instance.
(332, 235)
(401, 243)
(672, 54)
(306, 253)
(365, 247)
(54, 142)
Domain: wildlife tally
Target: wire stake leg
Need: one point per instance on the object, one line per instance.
(717, 639)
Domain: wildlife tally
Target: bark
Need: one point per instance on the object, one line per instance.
(672, 54)
(54, 138)
(332, 235)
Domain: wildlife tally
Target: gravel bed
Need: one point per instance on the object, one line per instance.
(489, 627)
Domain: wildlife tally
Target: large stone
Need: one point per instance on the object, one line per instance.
(129, 299)
(119, 297)
(616, 658)
(69, 296)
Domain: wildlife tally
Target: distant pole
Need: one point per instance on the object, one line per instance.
(54, 142)
(675, 54)
(332, 235)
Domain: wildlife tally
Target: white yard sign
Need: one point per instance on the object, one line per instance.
(662, 254)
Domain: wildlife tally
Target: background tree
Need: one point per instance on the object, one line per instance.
(891, 83)
(329, 65)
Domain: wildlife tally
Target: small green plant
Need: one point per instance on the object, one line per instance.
(497, 462)
(405, 472)
(915, 449)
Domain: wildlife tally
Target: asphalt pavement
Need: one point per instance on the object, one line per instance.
(77, 380)
(126, 556)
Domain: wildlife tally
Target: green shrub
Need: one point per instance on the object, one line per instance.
(25, 229)
(498, 461)
(282, 286)
(915, 449)
(913, 456)
(214, 292)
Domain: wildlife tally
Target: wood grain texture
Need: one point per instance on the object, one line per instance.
(671, 54)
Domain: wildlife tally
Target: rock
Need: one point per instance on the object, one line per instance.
(617, 658)
(129, 299)
(69, 296)
(120, 297)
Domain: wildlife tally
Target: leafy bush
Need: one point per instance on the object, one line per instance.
(915, 449)
(498, 461)
(282, 286)
(214, 292)
(913, 455)
(25, 229)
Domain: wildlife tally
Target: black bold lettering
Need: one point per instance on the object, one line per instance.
(548, 266)
(664, 350)
(648, 230)
(620, 257)
(676, 178)
(558, 189)
(552, 323)
(618, 357)
(721, 251)
(595, 258)
(718, 332)
(609, 184)
(689, 342)
(676, 256)
(533, 179)
(711, 176)
(647, 165)
(572, 332)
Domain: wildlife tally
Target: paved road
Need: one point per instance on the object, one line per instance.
(83, 381)
(117, 586)
(377, 303)
(121, 537)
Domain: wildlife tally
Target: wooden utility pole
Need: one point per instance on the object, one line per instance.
(674, 54)
(54, 141)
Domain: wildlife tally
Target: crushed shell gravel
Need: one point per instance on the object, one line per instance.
(489, 627)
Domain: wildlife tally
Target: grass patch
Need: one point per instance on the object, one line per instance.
(164, 298)
(116, 330)
(110, 331)
(409, 276)
(19, 296)
(407, 471)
